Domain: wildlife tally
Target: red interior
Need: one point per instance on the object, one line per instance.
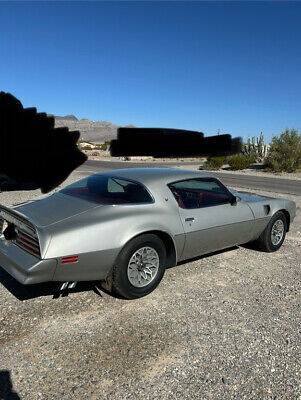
(194, 198)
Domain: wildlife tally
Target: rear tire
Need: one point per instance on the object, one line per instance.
(139, 267)
(273, 236)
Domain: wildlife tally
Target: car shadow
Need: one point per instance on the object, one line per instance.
(27, 292)
(207, 255)
(251, 246)
(6, 387)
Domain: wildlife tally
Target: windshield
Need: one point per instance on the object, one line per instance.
(104, 189)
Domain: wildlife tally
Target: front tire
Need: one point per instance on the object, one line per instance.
(273, 236)
(139, 267)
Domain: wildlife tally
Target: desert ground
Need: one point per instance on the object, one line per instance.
(223, 326)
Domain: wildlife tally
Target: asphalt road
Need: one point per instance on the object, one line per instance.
(270, 184)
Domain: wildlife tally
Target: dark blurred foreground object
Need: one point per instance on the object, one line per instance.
(6, 387)
(34, 154)
(161, 142)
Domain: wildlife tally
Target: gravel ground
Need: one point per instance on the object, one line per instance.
(224, 326)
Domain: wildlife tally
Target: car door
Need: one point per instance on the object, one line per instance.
(209, 219)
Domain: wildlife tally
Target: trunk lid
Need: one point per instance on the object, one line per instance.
(52, 209)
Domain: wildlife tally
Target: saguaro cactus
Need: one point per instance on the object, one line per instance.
(262, 149)
(255, 148)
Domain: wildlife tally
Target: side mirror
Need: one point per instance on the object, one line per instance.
(234, 200)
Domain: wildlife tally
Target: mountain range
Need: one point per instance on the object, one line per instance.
(90, 131)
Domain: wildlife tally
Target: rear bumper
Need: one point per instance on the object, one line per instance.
(28, 269)
(24, 267)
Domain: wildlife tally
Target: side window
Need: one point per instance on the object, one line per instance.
(199, 193)
(104, 189)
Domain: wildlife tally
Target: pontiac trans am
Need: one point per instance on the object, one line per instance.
(124, 227)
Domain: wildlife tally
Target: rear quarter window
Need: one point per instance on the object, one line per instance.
(104, 189)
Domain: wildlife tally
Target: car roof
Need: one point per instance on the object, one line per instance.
(150, 175)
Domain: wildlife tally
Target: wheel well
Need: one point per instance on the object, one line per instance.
(288, 219)
(171, 258)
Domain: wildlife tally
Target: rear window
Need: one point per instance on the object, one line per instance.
(108, 190)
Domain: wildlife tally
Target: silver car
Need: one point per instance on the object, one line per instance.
(124, 227)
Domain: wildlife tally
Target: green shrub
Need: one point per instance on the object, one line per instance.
(214, 163)
(285, 152)
(87, 148)
(252, 158)
(105, 146)
(239, 162)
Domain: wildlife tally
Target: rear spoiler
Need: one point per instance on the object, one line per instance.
(11, 214)
(162, 142)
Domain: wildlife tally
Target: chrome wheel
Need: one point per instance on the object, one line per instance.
(277, 232)
(143, 266)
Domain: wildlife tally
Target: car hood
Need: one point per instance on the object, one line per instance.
(53, 208)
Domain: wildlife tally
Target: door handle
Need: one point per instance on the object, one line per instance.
(189, 219)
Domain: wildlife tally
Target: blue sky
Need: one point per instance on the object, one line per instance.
(233, 66)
